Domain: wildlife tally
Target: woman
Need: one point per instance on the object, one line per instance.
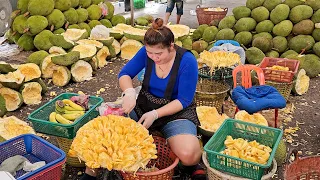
(165, 101)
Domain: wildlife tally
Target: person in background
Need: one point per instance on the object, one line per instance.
(170, 6)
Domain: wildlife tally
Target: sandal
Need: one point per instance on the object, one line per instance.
(199, 173)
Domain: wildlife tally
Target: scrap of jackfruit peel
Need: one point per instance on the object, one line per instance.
(92, 165)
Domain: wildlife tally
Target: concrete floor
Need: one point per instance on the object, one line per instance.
(158, 10)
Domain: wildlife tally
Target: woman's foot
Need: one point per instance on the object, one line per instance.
(196, 172)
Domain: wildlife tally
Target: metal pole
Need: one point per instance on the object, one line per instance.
(132, 12)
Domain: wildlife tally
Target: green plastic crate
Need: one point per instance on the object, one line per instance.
(41, 123)
(239, 129)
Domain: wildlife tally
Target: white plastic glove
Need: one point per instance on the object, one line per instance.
(129, 100)
(148, 118)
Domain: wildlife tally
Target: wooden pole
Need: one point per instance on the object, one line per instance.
(132, 12)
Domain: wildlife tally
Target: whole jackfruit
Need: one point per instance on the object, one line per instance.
(66, 59)
(62, 5)
(97, 1)
(245, 24)
(264, 26)
(60, 41)
(106, 23)
(301, 42)
(271, 4)
(300, 12)
(288, 53)
(42, 40)
(197, 34)
(316, 34)
(74, 3)
(254, 55)
(293, 3)
(263, 34)
(279, 13)
(304, 27)
(94, 12)
(284, 28)
(254, 3)
(37, 57)
(94, 23)
(84, 3)
(71, 16)
(241, 12)
(20, 24)
(199, 46)
(59, 31)
(187, 43)
(42, 8)
(142, 21)
(117, 19)
(243, 37)
(227, 22)
(210, 33)
(82, 15)
(35, 24)
(74, 26)
(311, 64)
(22, 5)
(273, 54)
(260, 14)
(85, 26)
(314, 4)
(316, 17)
(316, 49)
(280, 44)
(26, 42)
(225, 34)
(281, 153)
(110, 10)
(56, 19)
(264, 44)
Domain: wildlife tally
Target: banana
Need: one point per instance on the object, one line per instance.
(71, 117)
(62, 120)
(73, 112)
(52, 117)
(72, 104)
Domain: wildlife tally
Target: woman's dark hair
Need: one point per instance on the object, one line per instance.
(158, 34)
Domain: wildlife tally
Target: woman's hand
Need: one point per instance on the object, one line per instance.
(148, 118)
(129, 100)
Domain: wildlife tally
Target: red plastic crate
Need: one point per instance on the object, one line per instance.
(278, 75)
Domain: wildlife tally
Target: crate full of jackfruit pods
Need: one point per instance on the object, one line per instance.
(243, 149)
(41, 123)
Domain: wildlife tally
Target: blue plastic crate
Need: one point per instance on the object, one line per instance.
(34, 149)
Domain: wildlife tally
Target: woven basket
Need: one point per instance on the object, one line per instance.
(211, 93)
(214, 174)
(65, 144)
(205, 17)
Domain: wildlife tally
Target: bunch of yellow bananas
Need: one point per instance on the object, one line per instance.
(66, 112)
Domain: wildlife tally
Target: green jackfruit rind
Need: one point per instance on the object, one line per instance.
(300, 42)
(264, 44)
(133, 36)
(58, 40)
(202, 28)
(36, 24)
(59, 31)
(128, 21)
(22, 5)
(260, 14)
(245, 24)
(116, 19)
(254, 55)
(85, 26)
(300, 12)
(66, 59)
(57, 50)
(264, 26)
(284, 28)
(288, 53)
(316, 17)
(271, 4)
(281, 153)
(304, 27)
(97, 1)
(56, 19)
(241, 12)
(279, 13)
(26, 42)
(84, 3)
(273, 54)
(74, 26)
(227, 22)
(6, 68)
(42, 8)
(86, 51)
(116, 35)
(94, 23)
(187, 43)
(12, 37)
(244, 38)
(66, 79)
(94, 63)
(94, 12)
(142, 21)
(30, 100)
(62, 5)
(3, 108)
(112, 52)
(280, 44)
(71, 16)
(316, 48)
(199, 46)
(37, 57)
(225, 34)
(316, 34)
(293, 3)
(42, 40)
(314, 4)
(42, 84)
(106, 23)
(254, 3)
(74, 3)
(6, 82)
(210, 33)
(196, 35)
(311, 64)
(110, 10)
(82, 15)
(18, 100)
(19, 24)
(263, 34)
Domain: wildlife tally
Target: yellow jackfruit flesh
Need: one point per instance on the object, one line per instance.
(209, 118)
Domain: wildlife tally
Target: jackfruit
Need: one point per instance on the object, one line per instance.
(94, 23)
(56, 19)
(179, 31)
(262, 34)
(129, 48)
(280, 44)
(149, 18)
(94, 12)
(61, 76)
(255, 118)
(6, 68)
(245, 24)
(101, 56)
(301, 83)
(82, 15)
(219, 59)
(260, 14)
(81, 71)
(300, 12)
(210, 33)
(86, 51)
(3, 111)
(142, 21)
(284, 28)
(288, 53)
(37, 57)
(316, 48)
(195, 53)
(74, 3)
(42, 40)
(135, 33)
(22, 5)
(57, 50)
(279, 13)
(106, 23)
(316, 34)
(13, 80)
(66, 59)
(227, 22)
(241, 12)
(42, 8)
(243, 37)
(31, 93)
(36, 24)
(225, 34)
(75, 34)
(281, 153)
(26, 42)
(74, 26)
(12, 37)
(209, 118)
(199, 46)
(85, 26)
(254, 3)
(304, 27)
(254, 55)
(114, 48)
(62, 5)
(110, 10)
(117, 19)
(316, 17)
(97, 1)
(60, 41)
(84, 3)
(59, 31)
(301, 42)
(293, 3)
(264, 26)
(12, 98)
(264, 44)
(273, 54)
(310, 63)
(314, 4)
(47, 67)
(271, 4)
(71, 16)
(187, 43)
(19, 24)
(30, 71)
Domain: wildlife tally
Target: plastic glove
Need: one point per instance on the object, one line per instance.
(129, 100)
(148, 118)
